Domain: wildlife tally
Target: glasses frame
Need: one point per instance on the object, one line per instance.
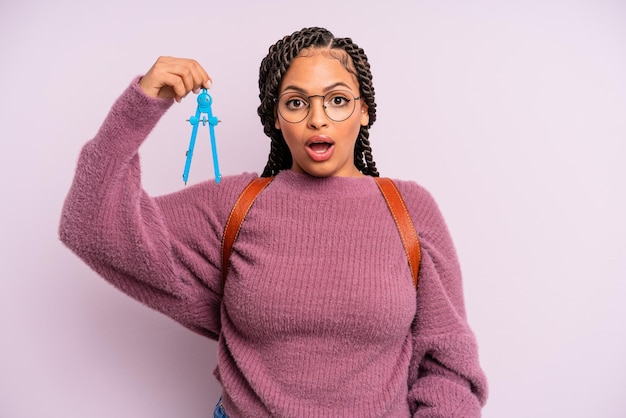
(323, 97)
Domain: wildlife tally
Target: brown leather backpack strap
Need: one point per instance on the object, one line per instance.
(390, 192)
(236, 217)
(401, 216)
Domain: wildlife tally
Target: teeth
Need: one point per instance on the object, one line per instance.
(319, 146)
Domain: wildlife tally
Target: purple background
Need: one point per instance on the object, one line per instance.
(512, 113)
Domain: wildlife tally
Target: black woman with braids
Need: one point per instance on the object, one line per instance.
(317, 313)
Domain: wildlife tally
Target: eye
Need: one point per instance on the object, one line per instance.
(295, 103)
(338, 99)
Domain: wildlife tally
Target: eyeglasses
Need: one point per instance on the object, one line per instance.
(338, 105)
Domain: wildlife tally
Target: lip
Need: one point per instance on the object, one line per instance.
(317, 155)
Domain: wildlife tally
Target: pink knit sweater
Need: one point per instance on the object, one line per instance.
(318, 316)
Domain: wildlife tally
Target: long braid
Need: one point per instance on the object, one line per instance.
(273, 68)
(363, 158)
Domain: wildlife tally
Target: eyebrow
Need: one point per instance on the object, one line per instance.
(327, 89)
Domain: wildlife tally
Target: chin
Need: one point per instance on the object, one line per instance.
(318, 173)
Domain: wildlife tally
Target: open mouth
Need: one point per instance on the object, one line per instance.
(320, 147)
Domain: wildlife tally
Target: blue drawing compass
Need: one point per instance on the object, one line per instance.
(203, 115)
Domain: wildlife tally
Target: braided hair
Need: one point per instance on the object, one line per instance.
(273, 68)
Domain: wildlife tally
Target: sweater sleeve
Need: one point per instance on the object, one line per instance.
(445, 377)
(161, 251)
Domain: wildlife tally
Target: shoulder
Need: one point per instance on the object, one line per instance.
(415, 195)
(423, 207)
(228, 186)
(220, 197)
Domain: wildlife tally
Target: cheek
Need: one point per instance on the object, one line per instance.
(356, 126)
(290, 132)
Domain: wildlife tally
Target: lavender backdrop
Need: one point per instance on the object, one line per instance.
(512, 113)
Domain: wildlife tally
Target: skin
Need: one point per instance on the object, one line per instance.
(315, 72)
(174, 78)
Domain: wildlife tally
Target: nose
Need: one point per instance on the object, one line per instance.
(317, 115)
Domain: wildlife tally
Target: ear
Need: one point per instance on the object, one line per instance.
(365, 116)
(276, 119)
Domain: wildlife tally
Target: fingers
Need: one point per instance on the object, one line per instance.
(183, 75)
(174, 78)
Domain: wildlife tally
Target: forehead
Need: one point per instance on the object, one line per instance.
(318, 70)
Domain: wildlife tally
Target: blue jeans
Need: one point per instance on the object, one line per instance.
(219, 412)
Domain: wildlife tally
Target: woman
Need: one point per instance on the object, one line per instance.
(318, 315)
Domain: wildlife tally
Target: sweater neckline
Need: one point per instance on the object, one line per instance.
(328, 187)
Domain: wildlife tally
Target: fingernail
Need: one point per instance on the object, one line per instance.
(209, 83)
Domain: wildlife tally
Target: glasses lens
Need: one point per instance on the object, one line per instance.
(293, 107)
(338, 105)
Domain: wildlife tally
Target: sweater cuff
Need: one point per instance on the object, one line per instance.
(131, 119)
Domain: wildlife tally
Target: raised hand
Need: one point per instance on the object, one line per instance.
(174, 78)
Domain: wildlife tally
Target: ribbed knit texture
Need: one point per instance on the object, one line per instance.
(318, 316)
